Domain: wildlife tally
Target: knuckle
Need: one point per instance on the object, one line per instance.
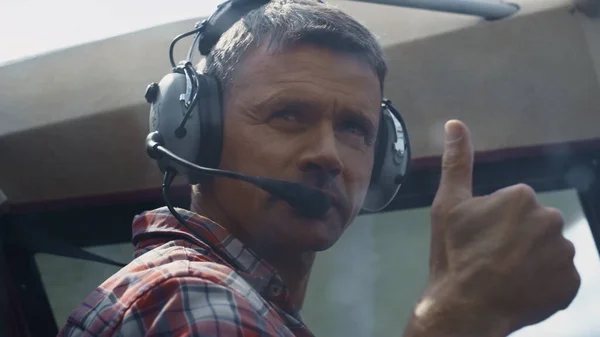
(525, 192)
(555, 221)
(437, 210)
(554, 214)
(569, 250)
(576, 281)
(571, 288)
(448, 209)
(450, 159)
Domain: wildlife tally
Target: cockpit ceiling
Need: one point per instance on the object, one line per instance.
(49, 28)
(72, 117)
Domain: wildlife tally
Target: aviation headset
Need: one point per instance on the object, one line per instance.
(186, 115)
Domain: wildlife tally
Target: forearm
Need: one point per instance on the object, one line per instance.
(442, 314)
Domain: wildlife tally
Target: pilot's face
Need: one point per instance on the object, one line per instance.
(307, 115)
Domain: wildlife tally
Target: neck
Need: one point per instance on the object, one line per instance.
(295, 270)
(293, 267)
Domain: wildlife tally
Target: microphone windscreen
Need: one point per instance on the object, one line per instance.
(307, 200)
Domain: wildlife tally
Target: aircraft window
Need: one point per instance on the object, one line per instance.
(68, 281)
(345, 299)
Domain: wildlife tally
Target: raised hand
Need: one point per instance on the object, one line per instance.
(498, 262)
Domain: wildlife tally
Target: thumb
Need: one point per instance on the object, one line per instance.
(456, 183)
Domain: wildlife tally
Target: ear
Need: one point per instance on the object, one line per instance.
(195, 196)
(198, 191)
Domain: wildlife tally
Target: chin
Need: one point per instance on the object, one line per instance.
(321, 245)
(316, 235)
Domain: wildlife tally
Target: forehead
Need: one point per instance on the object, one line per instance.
(308, 71)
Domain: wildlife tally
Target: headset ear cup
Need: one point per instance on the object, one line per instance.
(201, 141)
(392, 158)
(166, 114)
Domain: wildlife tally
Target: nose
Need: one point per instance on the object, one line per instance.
(320, 155)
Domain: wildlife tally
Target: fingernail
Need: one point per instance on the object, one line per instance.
(453, 131)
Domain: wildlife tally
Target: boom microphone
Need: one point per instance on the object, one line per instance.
(309, 201)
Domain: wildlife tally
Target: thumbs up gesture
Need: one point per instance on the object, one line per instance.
(498, 262)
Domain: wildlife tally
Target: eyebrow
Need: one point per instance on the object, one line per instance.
(359, 116)
(282, 101)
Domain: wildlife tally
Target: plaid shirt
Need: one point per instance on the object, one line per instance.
(180, 285)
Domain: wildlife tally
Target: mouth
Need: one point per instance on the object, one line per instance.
(316, 212)
(312, 202)
(334, 199)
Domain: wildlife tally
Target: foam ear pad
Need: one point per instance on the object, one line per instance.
(391, 162)
(211, 122)
(380, 141)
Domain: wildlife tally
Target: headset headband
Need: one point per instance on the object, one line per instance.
(222, 19)
(186, 113)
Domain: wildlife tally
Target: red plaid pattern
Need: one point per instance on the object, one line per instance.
(180, 285)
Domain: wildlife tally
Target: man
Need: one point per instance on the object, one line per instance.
(302, 85)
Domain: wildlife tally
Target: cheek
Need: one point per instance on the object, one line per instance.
(239, 147)
(257, 149)
(244, 151)
(240, 153)
(357, 175)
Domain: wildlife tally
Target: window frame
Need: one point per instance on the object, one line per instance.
(107, 219)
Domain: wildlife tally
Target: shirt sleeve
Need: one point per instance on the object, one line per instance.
(189, 306)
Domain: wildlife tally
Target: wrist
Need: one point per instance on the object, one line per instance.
(444, 311)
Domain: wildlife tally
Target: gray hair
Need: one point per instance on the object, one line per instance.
(285, 23)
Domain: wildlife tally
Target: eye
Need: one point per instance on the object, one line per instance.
(287, 115)
(357, 129)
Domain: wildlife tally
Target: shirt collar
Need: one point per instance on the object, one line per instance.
(156, 227)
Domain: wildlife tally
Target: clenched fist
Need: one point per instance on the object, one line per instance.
(498, 262)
